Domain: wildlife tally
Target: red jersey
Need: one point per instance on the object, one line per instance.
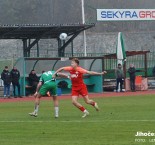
(76, 75)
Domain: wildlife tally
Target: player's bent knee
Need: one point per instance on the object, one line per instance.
(87, 101)
(74, 102)
(54, 98)
(38, 96)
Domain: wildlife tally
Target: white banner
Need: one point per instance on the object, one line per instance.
(125, 14)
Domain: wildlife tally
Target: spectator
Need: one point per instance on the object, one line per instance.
(33, 80)
(15, 81)
(119, 77)
(132, 74)
(6, 77)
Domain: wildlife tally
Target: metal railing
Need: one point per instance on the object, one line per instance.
(137, 59)
(82, 54)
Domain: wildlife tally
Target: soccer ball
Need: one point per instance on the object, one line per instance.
(63, 36)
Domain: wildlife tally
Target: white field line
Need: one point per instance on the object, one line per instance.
(72, 121)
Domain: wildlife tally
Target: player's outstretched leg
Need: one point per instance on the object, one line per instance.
(36, 106)
(91, 102)
(79, 106)
(56, 106)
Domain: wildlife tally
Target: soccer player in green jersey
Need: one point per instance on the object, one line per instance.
(46, 84)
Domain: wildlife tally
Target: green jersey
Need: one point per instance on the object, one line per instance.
(47, 77)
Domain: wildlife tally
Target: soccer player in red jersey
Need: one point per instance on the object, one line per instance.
(78, 86)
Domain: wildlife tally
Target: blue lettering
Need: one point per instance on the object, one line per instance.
(128, 13)
(121, 14)
(118, 14)
(109, 14)
(134, 14)
(115, 14)
(103, 14)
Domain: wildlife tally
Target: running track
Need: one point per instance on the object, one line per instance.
(91, 95)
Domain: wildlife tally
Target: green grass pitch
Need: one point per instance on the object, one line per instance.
(116, 123)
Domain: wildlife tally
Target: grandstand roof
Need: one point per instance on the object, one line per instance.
(43, 31)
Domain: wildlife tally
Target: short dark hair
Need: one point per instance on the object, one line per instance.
(76, 60)
(119, 64)
(6, 67)
(32, 70)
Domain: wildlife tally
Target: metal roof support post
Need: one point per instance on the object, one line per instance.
(38, 49)
(28, 51)
(63, 50)
(32, 44)
(59, 46)
(72, 48)
(24, 47)
(145, 62)
(27, 47)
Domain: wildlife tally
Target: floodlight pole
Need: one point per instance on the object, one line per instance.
(84, 32)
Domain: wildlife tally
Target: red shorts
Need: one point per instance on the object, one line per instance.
(79, 90)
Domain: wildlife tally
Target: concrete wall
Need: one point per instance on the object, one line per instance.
(96, 43)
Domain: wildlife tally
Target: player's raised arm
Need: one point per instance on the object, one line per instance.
(62, 75)
(61, 69)
(84, 71)
(96, 73)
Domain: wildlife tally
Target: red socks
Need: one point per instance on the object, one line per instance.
(93, 104)
(82, 109)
